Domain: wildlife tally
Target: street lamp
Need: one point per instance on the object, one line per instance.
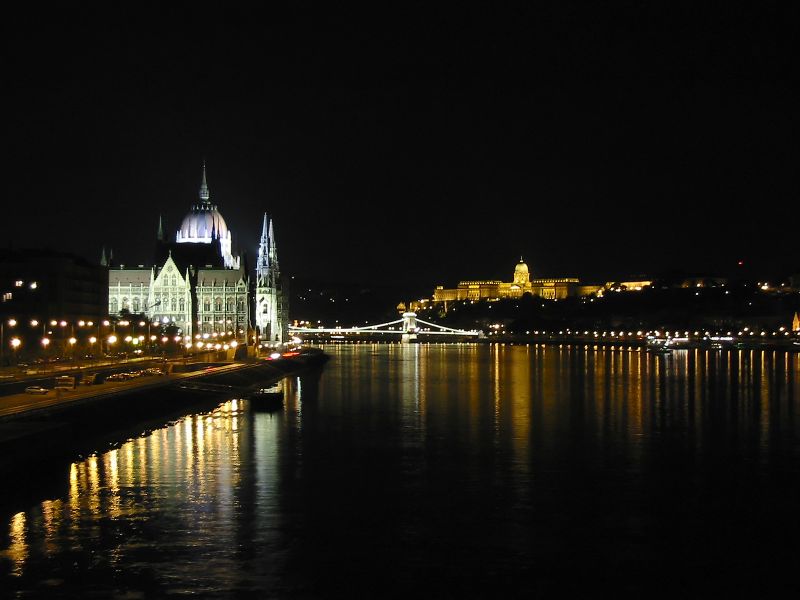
(11, 323)
(15, 344)
(45, 344)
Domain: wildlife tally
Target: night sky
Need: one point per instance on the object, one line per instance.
(414, 145)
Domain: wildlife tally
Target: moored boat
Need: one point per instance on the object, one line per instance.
(268, 398)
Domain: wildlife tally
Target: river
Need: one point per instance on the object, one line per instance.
(440, 471)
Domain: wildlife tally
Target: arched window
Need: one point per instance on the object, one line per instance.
(230, 304)
(182, 305)
(136, 305)
(207, 304)
(125, 305)
(240, 305)
(113, 306)
(172, 304)
(172, 280)
(218, 304)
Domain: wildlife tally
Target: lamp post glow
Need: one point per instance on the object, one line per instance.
(15, 343)
(11, 323)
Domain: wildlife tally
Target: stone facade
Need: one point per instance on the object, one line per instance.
(198, 284)
(552, 289)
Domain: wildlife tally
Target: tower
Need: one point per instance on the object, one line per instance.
(205, 225)
(270, 305)
(521, 275)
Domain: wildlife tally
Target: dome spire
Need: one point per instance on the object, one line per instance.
(204, 194)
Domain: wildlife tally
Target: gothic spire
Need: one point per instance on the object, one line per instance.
(273, 248)
(204, 193)
(103, 258)
(160, 236)
(264, 246)
(264, 228)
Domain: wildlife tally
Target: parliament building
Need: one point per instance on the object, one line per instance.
(197, 284)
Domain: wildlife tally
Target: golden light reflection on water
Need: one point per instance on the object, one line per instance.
(190, 466)
(526, 403)
(17, 551)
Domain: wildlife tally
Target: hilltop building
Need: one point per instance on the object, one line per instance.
(198, 284)
(521, 283)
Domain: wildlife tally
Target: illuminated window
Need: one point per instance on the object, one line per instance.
(7, 296)
(18, 283)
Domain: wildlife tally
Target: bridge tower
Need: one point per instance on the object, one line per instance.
(410, 328)
(271, 307)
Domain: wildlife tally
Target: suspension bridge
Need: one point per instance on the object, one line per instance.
(408, 327)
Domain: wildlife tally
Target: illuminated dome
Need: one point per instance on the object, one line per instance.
(521, 274)
(203, 224)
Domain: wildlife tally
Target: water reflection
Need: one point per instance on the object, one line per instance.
(505, 459)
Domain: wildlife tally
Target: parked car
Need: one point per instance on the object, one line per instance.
(36, 389)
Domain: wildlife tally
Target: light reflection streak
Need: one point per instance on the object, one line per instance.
(17, 551)
(525, 401)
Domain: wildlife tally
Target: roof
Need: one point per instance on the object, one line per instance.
(190, 255)
(129, 277)
(218, 277)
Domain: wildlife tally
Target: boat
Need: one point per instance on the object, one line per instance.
(268, 398)
(659, 349)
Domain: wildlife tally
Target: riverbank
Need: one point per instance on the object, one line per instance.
(785, 344)
(33, 428)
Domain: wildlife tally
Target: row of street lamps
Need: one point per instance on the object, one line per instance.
(214, 340)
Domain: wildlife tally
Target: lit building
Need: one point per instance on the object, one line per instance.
(552, 289)
(272, 316)
(199, 285)
(46, 284)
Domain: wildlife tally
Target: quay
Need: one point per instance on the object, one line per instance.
(33, 427)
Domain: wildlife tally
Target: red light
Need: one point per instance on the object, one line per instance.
(291, 354)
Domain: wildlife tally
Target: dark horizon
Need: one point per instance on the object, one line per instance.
(418, 147)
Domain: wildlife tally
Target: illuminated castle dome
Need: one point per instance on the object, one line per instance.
(205, 225)
(521, 273)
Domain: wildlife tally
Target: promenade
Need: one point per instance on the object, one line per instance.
(24, 404)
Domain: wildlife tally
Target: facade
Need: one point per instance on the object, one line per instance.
(43, 285)
(199, 285)
(521, 283)
(272, 318)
